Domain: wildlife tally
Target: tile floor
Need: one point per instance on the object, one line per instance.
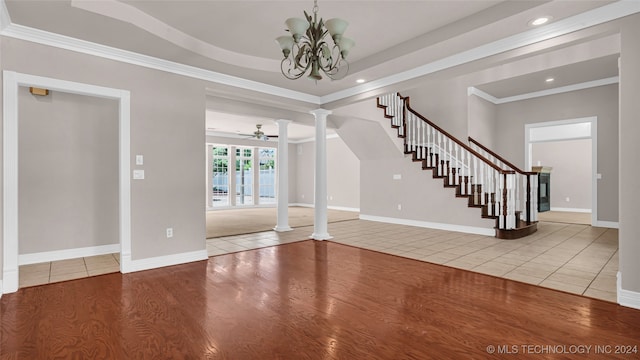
(579, 259)
(55, 271)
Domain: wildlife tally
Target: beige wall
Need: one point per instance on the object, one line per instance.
(68, 172)
(421, 197)
(343, 174)
(571, 174)
(167, 122)
(482, 121)
(600, 101)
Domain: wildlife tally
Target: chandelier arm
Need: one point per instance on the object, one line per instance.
(293, 72)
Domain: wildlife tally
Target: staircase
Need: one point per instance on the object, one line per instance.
(500, 190)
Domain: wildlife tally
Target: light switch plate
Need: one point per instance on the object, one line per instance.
(139, 160)
(397, 176)
(138, 174)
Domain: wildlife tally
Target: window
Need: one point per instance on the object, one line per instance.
(244, 176)
(237, 186)
(267, 178)
(220, 173)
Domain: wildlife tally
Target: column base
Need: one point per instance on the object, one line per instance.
(316, 236)
(279, 228)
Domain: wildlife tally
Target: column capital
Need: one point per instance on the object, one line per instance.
(282, 122)
(320, 112)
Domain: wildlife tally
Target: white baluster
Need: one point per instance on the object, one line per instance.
(483, 188)
(464, 172)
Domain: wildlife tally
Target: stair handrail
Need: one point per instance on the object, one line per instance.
(504, 161)
(407, 101)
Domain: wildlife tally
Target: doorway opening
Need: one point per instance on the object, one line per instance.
(570, 148)
(13, 82)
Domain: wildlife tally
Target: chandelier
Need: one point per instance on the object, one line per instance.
(306, 48)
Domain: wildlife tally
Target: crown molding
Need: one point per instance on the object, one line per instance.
(574, 23)
(5, 19)
(86, 47)
(559, 90)
(571, 24)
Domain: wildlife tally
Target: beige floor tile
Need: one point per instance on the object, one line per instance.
(605, 283)
(494, 268)
(525, 278)
(67, 267)
(578, 273)
(33, 279)
(68, 276)
(557, 285)
(530, 272)
(602, 295)
(439, 258)
(101, 271)
(35, 268)
(461, 264)
(101, 263)
(579, 281)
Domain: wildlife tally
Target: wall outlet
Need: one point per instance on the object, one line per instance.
(330, 197)
(169, 233)
(399, 206)
(139, 160)
(567, 199)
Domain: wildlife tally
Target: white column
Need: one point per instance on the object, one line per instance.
(232, 176)
(209, 157)
(282, 166)
(320, 214)
(255, 181)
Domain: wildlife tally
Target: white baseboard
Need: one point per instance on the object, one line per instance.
(432, 225)
(577, 210)
(1, 290)
(301, 205)
(46, 256)
(607, 224)
(342, 208)
(626, 297)
(10, 281)
(129, 265)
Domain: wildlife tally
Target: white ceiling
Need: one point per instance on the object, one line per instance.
(236, 37)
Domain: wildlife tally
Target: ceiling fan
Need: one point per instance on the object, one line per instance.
(259, 134)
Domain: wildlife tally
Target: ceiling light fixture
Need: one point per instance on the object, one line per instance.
(540, 21)
(360, 81)
(549, 79)
(306, 48)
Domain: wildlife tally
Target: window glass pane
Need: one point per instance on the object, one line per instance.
(244, 177)
(220, 176)
(267, 161)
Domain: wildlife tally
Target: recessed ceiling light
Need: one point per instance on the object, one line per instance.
(550, 79)
(360, 81)
(540, 21)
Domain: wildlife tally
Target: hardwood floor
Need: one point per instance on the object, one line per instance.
(309, 300)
